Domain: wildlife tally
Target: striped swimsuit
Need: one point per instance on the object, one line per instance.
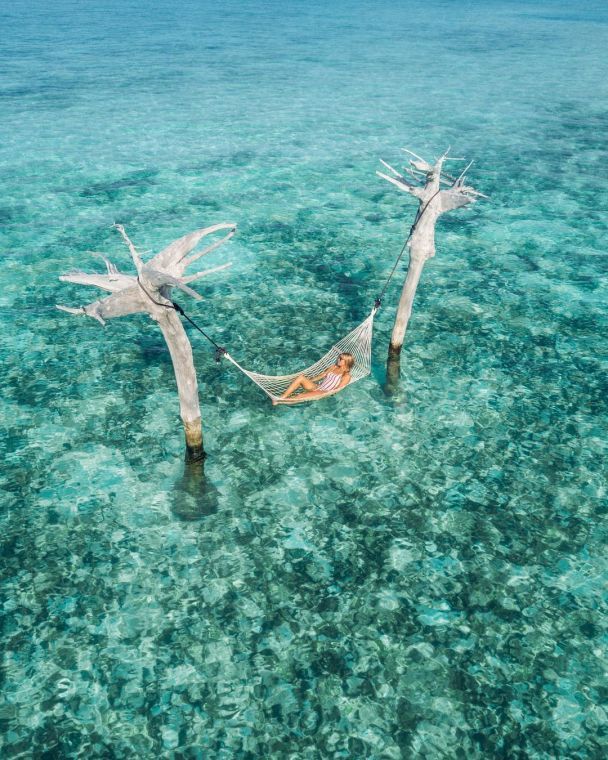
(330, 382)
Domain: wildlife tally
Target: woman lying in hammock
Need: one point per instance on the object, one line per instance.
(332, 380)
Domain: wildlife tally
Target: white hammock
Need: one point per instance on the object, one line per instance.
(358, 343)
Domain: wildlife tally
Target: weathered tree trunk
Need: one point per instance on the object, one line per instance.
(187, 386)
(433, 201)
(404, 311)
(150, 292)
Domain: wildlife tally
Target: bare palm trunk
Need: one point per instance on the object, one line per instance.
(187, 386)
(433, 201)
(404, 311)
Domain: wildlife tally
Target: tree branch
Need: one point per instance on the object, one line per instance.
(198, 275)
(158, 280)
(191, 259)
(112, 283)
(172, 256)
(134, 254)
(423, 165)
(451, 199)
(117, 305)
(403, 185)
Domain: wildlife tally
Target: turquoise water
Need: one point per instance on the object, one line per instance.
(369, 577)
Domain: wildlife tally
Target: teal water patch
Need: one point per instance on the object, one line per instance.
(416, 576)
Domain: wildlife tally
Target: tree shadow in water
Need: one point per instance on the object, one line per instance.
(194, 496)
(393, 372)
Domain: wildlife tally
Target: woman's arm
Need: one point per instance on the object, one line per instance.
(319, 377)
(344, 380)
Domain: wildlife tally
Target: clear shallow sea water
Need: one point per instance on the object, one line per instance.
(369, 577)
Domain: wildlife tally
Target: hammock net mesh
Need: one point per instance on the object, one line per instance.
(358, 343)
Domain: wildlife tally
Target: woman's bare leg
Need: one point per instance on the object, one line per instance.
(305, 396)
(300, 382)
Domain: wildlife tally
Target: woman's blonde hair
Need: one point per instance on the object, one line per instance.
(349, 360)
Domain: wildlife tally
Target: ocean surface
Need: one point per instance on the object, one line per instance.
(422, 575)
